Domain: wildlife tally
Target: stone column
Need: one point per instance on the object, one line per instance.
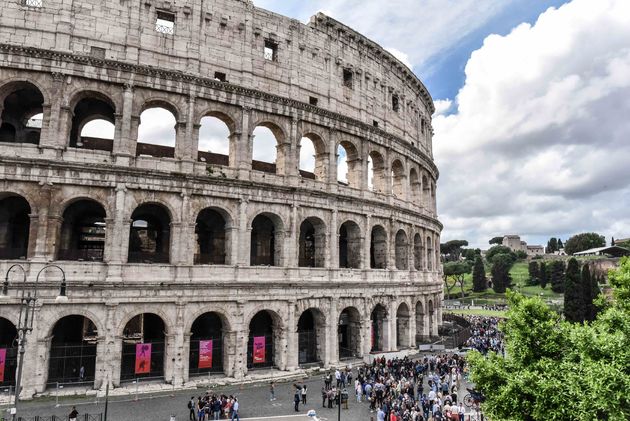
(243, 147)
(292, 239)
(366, 337)
(52, 133)
(392, 327)
(331, 355)
(367, 243)
(391, 245)
(231, 353)
(244, 233)
(34, 370)
(332, 259)
(179, 356)
(412, 328)
(124, 149)
(117, 239)
(292, 348)
(241, 337)
(170, 351)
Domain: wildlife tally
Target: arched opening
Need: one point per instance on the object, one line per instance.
(206, 344)
(349, 245)
(211, 238)
(93, 121)
(15, 225)
(429, 245)
(265, 247)
(311, 337)
(82, 232)
(416, 187)
(312, 243)
(214, 141)
(431, 315)
(398, 179)
(420, 336)
(313, 158)
(379, 329)
(149, 239)
(349, 333)
(265, 141)
(417, 252)
(22, 117)
(264, 337)
(8, 352)
(376, 172)
(157, 133)
(402, 326)
(143, 349)
(72, 351)
(402, 250)
(378, 248)
(348, 164)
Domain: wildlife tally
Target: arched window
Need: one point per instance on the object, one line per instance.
(348, 164)
(211, 238)
(376, 172)
(149, 239)
(378, 248)
(15, 225)
(349, 333)
(402, 251)
(8, 343)
(265, 334)
(22, 117)
(307, 158)
(311, 336)
(93, 119)
(214, 141)
(265, 247)
(349, 245)
(402, 326)
(264, 150)
(398, 179)
(157, 133)
(379, 321)
(72, 351)
(143, 349)
(82, 232)
(312, 243)
(206, 345)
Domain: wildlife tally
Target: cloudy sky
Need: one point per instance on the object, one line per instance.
(532, 135)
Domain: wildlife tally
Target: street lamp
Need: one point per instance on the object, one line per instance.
(28, 300)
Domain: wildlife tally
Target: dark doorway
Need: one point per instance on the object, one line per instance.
(206, 345)
(82, 232)
(143, 350)
(72, 351)
(15, 224)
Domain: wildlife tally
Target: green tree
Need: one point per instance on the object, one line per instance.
(590, 292)
(544, 275)
(560, 245)
(556, 275)
(501, 264)
(480, 283)
(521, 255)
(584, 241)
(534, 273)
(496, 240)
(494, 250)
(550, 362)
(452, 250)
(471, 254)
(552, 245)
(574, 305)
(456, 273)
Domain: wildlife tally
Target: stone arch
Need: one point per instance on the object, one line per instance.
(319, 170)
(150, 234)
(402, 250)
(162, 114)
(213, 239)
(350, 247)
(379, 331)
(378, 248)
(377, 180)
(312, 246)
(265, 336)
(15, 226)
(267, 231)
(398, 179)
(402, 326)
(275, 162)
(311, 332)
(144, 347)
(21, 101)
(417, 252)
(98, 109)
(348, 161)
(72, 355)
(420, 334)
(9, 342)
(216, 141)
(431, 311)
(83, 230)
(207, 353)
(349, 333)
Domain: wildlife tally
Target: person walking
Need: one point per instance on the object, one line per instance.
(73, 414)
(304, 395)
(235, 408)
(272, 391)
(296, 399)
(191, 407)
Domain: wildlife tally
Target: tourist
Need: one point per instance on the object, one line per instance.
(297, 398)
(272, 391)
(191, 407)
(235, 408)
(304, 395)
(73, 414)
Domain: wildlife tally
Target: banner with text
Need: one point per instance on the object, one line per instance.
(3, 358)
(143, 358)
(205, 354)
(259, 350)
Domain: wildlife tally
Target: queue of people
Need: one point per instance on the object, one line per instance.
(213, 407)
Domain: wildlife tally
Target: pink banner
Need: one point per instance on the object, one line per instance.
(259, 350)
(205, 354)
(3, 358)
(143, 358)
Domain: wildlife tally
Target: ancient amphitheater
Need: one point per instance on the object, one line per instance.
(185, 261)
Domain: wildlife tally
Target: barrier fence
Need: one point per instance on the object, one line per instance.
(81, 417)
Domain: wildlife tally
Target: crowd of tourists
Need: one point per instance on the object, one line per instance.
(213, 407)
(485, 334)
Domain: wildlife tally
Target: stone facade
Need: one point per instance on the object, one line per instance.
(363, 262)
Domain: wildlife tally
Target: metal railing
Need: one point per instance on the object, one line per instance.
(33, 3)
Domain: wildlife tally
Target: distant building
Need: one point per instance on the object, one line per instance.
(612, 251)
(514, 243)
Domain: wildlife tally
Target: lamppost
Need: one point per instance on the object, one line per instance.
(28, 301)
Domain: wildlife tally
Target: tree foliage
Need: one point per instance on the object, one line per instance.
(480, 283)
(452, 250)
(456, 273)
(544, 275)
(534, 273)
(574, 304)
(556, 370)
(494, 250)
(496, 240)
(552, 245)
(590, 292)
(584, 241)
(555, 276)
(501, 265)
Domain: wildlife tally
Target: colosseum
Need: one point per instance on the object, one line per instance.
(185, 258)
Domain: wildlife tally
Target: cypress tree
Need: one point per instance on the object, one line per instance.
(479, 275)
(590, 288)
(534, 273)
(556, 277)
(574, 305)
(501, 264)
(544, 278)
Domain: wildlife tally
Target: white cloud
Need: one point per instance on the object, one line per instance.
(214, 136)
(539, 142)
(157, 127)
(442, 106)
(403, 57)
(264, 147)
(307, 155)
